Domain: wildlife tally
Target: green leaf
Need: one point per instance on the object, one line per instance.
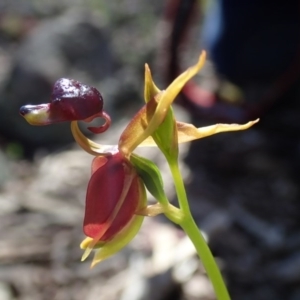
(151, 177)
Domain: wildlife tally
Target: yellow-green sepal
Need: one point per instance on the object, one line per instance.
(166, 137)
(119, 242)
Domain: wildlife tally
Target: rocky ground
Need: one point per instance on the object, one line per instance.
(243, 187)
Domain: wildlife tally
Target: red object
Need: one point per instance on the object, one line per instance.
(103, 219)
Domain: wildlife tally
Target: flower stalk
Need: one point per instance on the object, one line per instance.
(191, 229)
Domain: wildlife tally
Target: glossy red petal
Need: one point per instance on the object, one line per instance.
(103, 195)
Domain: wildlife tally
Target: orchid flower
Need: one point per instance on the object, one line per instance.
(116, 199)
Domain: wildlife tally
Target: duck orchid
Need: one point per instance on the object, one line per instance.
(116, 194)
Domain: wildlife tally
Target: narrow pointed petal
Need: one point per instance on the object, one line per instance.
(86, 242)
(188, 132)
(169, 95)
(90, 146)
(150, 90)
(176, 86)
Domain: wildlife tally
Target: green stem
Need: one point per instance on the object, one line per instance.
(191, 229)
(179, 186)
(208, 261)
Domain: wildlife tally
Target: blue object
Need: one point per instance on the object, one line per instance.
(252, 40)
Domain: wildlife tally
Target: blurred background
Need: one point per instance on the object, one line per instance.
(243, 187)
